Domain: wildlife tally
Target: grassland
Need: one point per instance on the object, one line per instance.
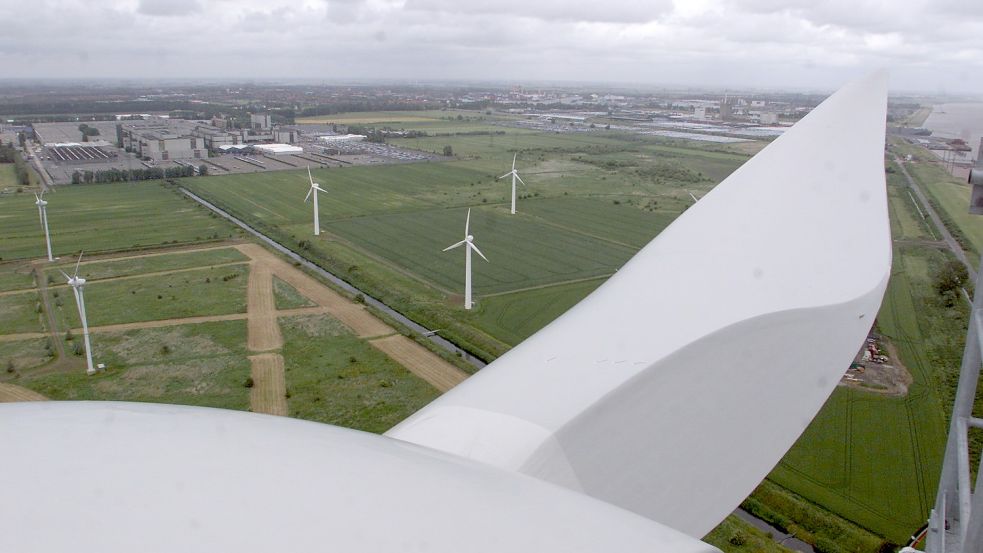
(8, 177)
(16, 276)
(336, 378)
(203, 364)
(432, 122)
(734, 535)
(287, 297)
(93, 270)
(105, 217)
(192, 293)
(19, 313)
(591, 201)
(22, 355)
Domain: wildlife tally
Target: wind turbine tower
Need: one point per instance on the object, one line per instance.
(515, 175)
(43, 214)
(77, 283)
(468, 242)
(315, 188)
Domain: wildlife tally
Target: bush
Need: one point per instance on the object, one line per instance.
(738, 539)
(249, 382)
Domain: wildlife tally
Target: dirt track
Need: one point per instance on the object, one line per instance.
(420, 361)
(264, 332)
(353, 315)
(263, 320)
(269, 392)
(11, 392)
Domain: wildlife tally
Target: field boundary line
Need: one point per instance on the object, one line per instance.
(550, 285)
(153, 274)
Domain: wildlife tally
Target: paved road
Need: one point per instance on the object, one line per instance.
(947, 237)
(786, 540)
(369, 300)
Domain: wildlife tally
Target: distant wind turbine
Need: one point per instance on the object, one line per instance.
(315, 188)
(515, 175)
(468, 242)
(695, 199)
(77, 283)
(43, 214)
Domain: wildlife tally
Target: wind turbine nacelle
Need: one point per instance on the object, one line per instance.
(976, 201)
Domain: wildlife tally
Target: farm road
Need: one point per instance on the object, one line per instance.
(12, 392)
(264, 332)
(947, 237)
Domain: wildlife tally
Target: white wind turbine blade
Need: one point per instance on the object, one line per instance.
(695, 199)
(77, 263)
(319, 189)
(309, 191)
(477, 251)
(451, 247)
(309, 175)
(505, 175)
(513, 160)
(467, 225)
(38, 198)
(519, 178)
(64, 274)
(593, 400)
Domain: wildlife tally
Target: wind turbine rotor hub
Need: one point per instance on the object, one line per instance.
(470, 238)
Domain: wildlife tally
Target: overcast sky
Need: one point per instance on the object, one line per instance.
(930, 46)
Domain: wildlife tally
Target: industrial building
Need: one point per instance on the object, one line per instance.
(260, 121)
(156, 140)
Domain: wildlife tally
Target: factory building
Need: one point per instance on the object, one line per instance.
(260, 121)
(155, 140)
(215, 136)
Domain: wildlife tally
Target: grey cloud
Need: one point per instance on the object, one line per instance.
(616, 11)
(168, 7)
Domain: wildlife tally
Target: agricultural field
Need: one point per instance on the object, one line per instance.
(104, 218)
(431, 122)
(180, 326)
(8, 177)
(592, 200)
(881, 456)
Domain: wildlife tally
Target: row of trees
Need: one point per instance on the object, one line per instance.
(127, 175)
(10, 155)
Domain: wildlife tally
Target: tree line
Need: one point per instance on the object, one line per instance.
(128, 175)
(8, 154)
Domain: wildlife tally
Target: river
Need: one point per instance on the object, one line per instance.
(958, 120)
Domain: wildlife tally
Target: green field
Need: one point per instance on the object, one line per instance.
(192, 293)
(516, 316)
(287, 297)
(336, 378)
(591, 201)
(875, 460)
(104, 217)
(8, 177)
(203, 364)
(22, 355)
(16, 276)
(93, 270)
(19, 313)
(432, 121)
